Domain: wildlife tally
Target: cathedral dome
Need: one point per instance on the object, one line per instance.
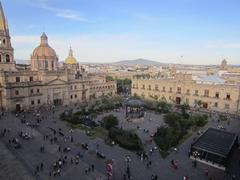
(70, 59)
(44, 50)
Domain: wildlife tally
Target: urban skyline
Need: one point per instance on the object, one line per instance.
(179, 31)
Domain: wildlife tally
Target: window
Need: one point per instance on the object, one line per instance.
(143, 86)
(196, 93)
(16, 92)
(17, 79)
(39, 101)
(0, 58)
(156, 87)
(179, 90)
(46, 64)
(164, 88)
(149, 87)
(38, 90)
(217, 95)
(30, 78)
(32, 102)
(7, 58)
(31, 91)
(188, 91)
(71, 87)
(71, 96)
(227, 106)
(206, 93)
(228, 97)
(170, 90)
(75, 96)
(215, 104)
(75, 87)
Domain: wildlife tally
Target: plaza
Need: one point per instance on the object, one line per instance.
(25, 160)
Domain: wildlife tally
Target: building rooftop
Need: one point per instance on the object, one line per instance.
(215, 141)
(211, 79)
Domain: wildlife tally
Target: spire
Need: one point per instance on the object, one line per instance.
(2, 19)
(44, 39)
(70, 52)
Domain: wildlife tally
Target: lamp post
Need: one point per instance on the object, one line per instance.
(128, 160)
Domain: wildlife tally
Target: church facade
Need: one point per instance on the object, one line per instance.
(44, 82)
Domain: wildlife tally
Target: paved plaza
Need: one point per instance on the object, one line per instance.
(25, 162)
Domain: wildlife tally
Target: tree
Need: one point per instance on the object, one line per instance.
(184, 109)
(109, 78)
(110, 121)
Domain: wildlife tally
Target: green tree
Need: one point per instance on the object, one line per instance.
(109, 78)
(110, 121)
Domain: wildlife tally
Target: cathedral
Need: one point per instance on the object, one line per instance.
(45, 82)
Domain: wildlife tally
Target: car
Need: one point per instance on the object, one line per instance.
(17, 146)
(101, 155)
(221, 127)
(84, 146)
(60, 133)
(66, 149)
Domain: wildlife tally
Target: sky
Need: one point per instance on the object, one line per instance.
(174, 31)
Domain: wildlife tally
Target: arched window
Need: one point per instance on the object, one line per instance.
(7, 58)
(46, 64)
(0, 58)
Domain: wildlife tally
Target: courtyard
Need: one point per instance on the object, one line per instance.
(48, 141)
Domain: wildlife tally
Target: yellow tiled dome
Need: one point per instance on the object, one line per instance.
(70, 59)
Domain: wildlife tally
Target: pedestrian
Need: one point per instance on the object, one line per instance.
(92, 167)
(152, 177)
(41, 166)
(37, 168)
(206, 172)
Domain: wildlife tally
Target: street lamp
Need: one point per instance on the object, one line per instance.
(128, 160)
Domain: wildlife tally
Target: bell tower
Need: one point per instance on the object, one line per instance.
(7, 62)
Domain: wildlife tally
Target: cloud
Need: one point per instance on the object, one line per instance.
(223, 45)
(63, 13)
(145, 17)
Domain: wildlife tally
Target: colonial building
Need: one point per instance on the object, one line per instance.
(210, 92)
(44, 82)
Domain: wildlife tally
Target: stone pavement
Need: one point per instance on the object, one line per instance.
(29, 156)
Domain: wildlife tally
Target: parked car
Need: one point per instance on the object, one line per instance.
(84, 146)
(101, 155)
(66, 149)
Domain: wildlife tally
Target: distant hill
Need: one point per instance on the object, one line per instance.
(144, 62)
